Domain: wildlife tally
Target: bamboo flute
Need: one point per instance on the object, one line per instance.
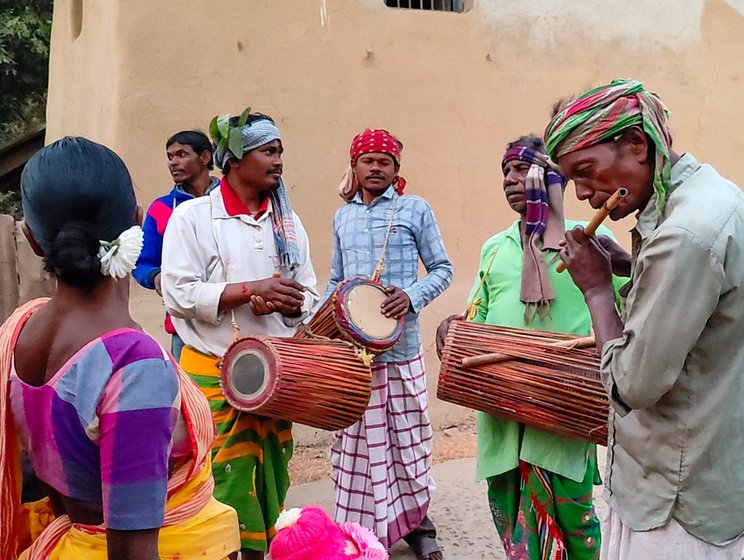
(591, 228)
(496, 357)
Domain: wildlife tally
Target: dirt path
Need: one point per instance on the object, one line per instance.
(310, 463)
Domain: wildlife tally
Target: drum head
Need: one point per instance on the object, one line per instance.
(362, 303)
(248, 374)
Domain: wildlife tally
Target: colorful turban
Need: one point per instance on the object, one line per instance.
(603, 113)
(233, 142)
(367, 142)
(543, 228)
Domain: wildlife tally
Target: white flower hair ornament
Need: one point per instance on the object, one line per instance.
(119, 257)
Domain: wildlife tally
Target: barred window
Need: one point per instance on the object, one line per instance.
(433, 5)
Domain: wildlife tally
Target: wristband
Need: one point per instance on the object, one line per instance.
(244, 291)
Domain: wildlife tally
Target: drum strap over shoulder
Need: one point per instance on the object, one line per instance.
(233, 320)
(475, 301)
(381, 262)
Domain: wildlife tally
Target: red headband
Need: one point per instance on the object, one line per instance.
(377, 141)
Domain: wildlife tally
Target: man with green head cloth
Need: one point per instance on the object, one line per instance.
(672, 360)
(236, 262)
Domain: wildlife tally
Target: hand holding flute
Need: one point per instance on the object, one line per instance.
(591, 228)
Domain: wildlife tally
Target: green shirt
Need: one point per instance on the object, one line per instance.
(499, 448)
(676, 376)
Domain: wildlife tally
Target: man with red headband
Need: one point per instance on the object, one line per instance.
(382, 464)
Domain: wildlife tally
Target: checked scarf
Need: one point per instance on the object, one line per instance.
(254, 135)
(543, 228)
(602, 114)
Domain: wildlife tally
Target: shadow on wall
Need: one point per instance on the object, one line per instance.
(22, 274)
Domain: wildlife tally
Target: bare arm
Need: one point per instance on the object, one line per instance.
(605, 319)
(284, 295)
(132, 545)
(643, 358)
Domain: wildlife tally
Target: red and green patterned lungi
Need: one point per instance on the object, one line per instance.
(538, 513)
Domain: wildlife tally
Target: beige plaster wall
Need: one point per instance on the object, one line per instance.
(454, 87)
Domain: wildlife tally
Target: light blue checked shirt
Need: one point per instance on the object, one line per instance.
(358, 236)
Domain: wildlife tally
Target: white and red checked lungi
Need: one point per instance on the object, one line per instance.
(381, 465)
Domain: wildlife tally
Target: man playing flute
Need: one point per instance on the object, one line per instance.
(672, 360)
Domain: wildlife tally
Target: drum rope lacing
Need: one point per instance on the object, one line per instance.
(359, 351)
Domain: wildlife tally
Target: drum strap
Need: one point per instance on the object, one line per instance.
(233, 320)
(475, 301)
(381, 262)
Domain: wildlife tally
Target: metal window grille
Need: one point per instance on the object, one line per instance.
(433, 5)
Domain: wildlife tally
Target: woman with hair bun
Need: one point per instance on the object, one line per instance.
(117, 434)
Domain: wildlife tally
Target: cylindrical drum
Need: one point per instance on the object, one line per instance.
(551, 388)
(352, 313)
(320, 383)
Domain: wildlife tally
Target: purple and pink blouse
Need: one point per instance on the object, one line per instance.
(107, 428)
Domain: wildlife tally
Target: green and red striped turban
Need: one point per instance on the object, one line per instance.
(603, 113)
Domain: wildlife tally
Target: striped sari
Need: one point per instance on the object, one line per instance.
(195, 526)
(250, 456)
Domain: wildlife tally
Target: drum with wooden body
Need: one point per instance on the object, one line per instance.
(352, 313)
(320, 383)
(556, 389)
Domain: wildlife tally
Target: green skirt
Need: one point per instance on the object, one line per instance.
(249, 457)
(538, 513)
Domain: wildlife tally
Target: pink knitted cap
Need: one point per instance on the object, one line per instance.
(309, 534)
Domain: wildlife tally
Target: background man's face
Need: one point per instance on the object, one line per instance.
(515, 174)
(184, 163)
(375, 171)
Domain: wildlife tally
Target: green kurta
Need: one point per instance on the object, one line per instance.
(498, 440)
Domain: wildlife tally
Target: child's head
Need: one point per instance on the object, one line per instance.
(309, 534)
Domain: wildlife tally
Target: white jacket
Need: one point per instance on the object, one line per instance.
(204, 249)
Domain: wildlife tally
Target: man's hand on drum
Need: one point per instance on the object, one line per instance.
(275, 294)
(442, 332)
(396, 304)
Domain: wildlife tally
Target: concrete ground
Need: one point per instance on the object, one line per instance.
(459, 509)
